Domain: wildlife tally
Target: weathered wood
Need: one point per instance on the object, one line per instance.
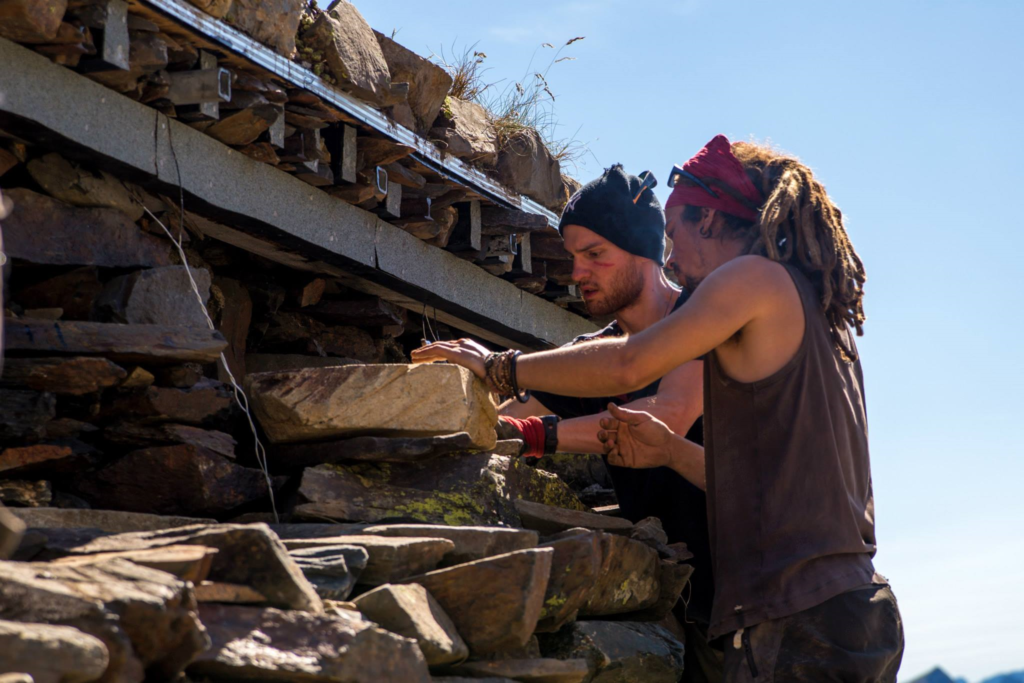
(44, 230)
(393, 202)
(548, 519)
(200, 86)
(365, 312)
(549, 248)
(109, 21)
(467, 235)
(245, 125)
(496, 220)
(208, 110)
(73, 376)
(380, 152)
(402, 175)
(494, 603)
(524, 259)
(151, 344)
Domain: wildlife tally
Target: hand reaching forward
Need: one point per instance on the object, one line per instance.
(636, 439)
(464, 352)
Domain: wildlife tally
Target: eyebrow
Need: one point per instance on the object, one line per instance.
(592, 245)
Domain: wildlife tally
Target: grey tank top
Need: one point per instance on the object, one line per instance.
(790, 505)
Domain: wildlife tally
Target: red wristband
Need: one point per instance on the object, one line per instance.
(533, 434)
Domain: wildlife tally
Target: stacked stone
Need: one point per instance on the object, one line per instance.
(141, 54)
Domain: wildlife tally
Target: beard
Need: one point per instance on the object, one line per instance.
(626, 288)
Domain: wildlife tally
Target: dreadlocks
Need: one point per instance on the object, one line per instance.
(800, 225)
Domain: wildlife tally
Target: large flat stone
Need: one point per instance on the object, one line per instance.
(412, 612)
(526, 166)
(145, 618)
(494, 603)
(672, 579)
(390, 559)
(628, 579)
(549, 519)
(332, 569)
(396, 400)
(71, 376)
(371, 448)
(156, 296)
(109, 521)
(175, 480)
(44, 230)
(263, 643)
(575, 568)
(205, 402)
(619, 651)
(51, 654)
(471, 542)
(249, 554)
(470, 134)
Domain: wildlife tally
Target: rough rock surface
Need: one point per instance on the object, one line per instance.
(470, 135)
(411, 400)
(271, 644)
(175, 480)
(109, 521)
(471, 542)
(352, 52)
(158, 296)
(412, 612)
(550, 519)
(248, 554)
(31, 21)
(627, 580)
(25, 493)
(619, 651)
(145, 618)
(529, 670)
(574, 570)
(71, 376)
(271, 22)
(78, 187)
(332, 569)
(527, 167)
(51, 654)
(44, 230)
(494, 603)
(428, 83)
(390, 559)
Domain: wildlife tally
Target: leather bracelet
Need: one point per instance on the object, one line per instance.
(522, 397)
(550, 423)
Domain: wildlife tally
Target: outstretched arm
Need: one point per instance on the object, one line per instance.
(729, 299)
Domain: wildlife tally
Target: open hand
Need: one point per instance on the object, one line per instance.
(465, 352)
(636, 439)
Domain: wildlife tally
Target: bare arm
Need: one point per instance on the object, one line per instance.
(741, 292)
(640, 440)
(678, 403)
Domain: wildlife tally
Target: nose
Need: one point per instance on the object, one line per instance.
(579, 271)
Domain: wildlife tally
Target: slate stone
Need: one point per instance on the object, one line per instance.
(574, 570)
(265, 643)
(527, 167)
(46, 231)
(291, 332)
(206, 402)
(73, 292)
(628, 579)
(428, 83)
(390, 559)
(619, 651)
(494, 603)
(31, 21)
(11, 531)
(73, 376)
(352, 53)
(108, 521)
(78, 187)
(157, 296)
(469, 135)
(145, 618)
(332, 569)
(175, 480)
(248, 554)
(136, 435)
(371, 448)
(24, 415)
(471, 542)
(410, 611)
(52, 459)
(391, 400)
(25, 493)
(548, 519)
(271, 22)
(528, 670)
(51, 654)
(672, 579)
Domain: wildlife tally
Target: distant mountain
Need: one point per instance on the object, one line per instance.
(937, 675)
(1014, 677)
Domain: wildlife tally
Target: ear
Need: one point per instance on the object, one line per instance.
(707, 221)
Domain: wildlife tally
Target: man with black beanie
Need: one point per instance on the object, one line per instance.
(614, 228)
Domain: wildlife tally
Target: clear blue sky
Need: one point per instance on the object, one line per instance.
(911, 113)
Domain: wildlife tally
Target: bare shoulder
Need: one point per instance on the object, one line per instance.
(752, 271)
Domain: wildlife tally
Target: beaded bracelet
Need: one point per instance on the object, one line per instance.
(522, 397)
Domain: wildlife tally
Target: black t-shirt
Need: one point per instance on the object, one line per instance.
(659, 492)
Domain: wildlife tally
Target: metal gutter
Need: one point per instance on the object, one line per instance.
(289, 71)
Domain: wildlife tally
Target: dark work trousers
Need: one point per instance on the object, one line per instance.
(701, 662)
(855, 637)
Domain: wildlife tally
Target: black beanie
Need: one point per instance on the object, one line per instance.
(606, 207)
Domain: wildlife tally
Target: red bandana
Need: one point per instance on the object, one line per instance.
(716, 163)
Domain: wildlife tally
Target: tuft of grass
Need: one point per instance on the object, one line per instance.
(467, 72)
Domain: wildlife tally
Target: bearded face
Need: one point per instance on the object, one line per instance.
(621, 289)
(609, 278)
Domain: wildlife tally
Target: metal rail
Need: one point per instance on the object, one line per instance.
(287, 70)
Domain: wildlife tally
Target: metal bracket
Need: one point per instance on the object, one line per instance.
(513, 245)
(382, 172)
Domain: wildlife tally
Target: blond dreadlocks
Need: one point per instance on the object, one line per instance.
(800, 225)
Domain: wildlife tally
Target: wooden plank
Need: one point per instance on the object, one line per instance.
(126, 343)
(499, 221)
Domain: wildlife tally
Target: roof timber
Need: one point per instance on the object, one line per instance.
(274, 213)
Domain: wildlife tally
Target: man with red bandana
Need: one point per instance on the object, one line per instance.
(614, 229)
(777, 295)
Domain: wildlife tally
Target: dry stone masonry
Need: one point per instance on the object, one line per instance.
(362, 521)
